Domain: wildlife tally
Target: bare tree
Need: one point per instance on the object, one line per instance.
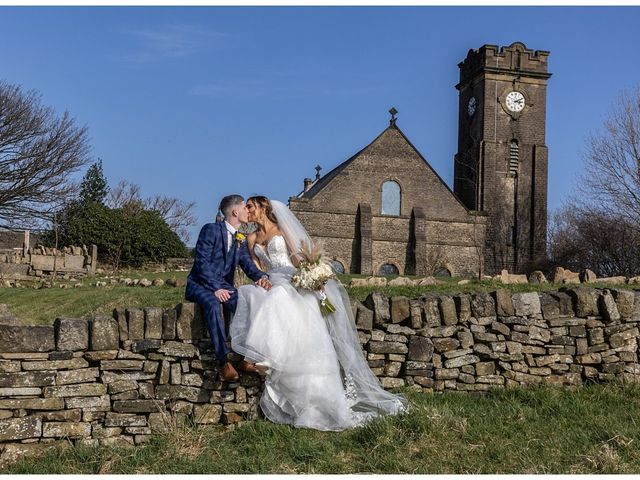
(600, 229)
(611, 180)
(436, 260)
(124, 195)
(581, 237)
(38, 152)
(175, 212)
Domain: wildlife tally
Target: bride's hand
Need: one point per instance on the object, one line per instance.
(264, 283)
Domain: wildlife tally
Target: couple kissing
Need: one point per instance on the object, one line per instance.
(316, 374)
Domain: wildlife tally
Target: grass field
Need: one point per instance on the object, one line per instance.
(591, 429)
(43, 306)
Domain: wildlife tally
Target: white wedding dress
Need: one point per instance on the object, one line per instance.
(318, 376)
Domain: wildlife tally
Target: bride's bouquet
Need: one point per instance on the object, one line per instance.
(314, 273)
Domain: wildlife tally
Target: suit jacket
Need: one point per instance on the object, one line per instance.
(214, 267)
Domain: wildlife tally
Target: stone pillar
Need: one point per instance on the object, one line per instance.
(25, 243)
(419, 235)
(94, 259)
(364, 235)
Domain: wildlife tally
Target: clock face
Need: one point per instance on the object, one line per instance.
(471, 106)
(515, 101)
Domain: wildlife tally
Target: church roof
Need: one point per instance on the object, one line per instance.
(319, 184)
(326, 178)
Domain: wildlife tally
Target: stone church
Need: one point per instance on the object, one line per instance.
(386, 210)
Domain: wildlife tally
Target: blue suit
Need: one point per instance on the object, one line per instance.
(212, 270)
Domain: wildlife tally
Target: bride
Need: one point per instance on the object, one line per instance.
(317, 376)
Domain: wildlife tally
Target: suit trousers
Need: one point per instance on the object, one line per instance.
(212, 313)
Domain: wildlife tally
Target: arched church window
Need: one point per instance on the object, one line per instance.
(442, 272)
(514, 158)
(390, 198)
(338, 267)
(388, 269)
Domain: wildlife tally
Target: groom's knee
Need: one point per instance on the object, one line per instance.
(211, 305)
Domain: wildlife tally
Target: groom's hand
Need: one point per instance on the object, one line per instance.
(223, 294)
(264, 283)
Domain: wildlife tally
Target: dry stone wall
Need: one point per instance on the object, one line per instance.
(117, 380)
(38, 262)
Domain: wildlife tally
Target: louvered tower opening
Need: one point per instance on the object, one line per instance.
(514, 158)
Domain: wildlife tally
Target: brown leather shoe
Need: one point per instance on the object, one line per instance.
(227, 373)
(247, 367)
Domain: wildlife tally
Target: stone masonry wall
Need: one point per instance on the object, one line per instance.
(39, 261)
(391, 240)
(117, 380)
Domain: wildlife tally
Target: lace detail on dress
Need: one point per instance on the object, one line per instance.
(275, 255)
(350, 391)
(351, 395)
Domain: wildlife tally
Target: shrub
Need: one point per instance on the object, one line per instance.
(124, 237)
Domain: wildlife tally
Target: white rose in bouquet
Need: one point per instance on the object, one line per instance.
(313, 274)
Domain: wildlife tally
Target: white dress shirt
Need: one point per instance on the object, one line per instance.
(231, 231)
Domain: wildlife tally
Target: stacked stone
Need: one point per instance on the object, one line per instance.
(114, 380)
(472, 342)
(386, 341)
(40, 261)
(117, 380)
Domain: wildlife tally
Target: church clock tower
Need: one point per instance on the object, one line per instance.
(501, 164)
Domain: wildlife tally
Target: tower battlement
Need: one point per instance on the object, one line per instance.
(514, 58)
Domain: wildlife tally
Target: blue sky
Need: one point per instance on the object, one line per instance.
(203, 101)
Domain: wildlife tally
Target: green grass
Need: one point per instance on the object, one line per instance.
(591, 429)
(43, 306)
(149, 275)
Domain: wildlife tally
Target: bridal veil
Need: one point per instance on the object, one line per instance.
(363, 389)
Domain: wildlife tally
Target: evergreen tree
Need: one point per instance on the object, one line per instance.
(94, 186)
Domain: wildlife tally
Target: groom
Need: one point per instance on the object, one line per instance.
(219, 250)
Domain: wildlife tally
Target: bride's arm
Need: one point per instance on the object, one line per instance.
(250, 261)
(251, 242)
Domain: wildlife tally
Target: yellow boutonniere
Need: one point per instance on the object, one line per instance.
(240, 237)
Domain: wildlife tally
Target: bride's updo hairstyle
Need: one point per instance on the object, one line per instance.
(264, 203)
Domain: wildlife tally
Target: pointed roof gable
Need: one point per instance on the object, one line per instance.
(326, 178)
(321, 183)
